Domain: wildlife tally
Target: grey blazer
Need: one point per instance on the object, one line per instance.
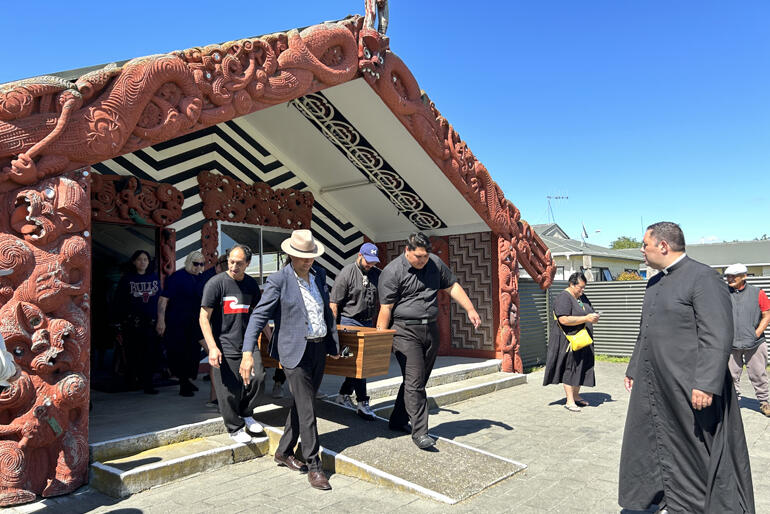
(282, 302)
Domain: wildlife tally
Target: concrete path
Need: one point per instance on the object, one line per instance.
(572, 459)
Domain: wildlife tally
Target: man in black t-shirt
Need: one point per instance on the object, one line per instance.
(228, 299)
(353, 301)
(408, 288)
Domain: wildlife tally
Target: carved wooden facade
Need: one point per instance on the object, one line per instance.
(50, 128)
(227, 199)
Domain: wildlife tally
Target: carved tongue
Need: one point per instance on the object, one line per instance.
(28, 229)
(19, 215)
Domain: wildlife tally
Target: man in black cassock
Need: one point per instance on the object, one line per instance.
(684, 448)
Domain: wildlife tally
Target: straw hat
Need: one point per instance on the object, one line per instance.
(302, 244)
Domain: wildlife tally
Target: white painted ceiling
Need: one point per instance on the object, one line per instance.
(303, 148)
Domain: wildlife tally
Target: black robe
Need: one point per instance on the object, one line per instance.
(696, 461)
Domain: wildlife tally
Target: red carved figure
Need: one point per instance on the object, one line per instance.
(227, 199)
(44, 321)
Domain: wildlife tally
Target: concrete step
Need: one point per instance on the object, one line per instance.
(131, 466)
(127, 465)
(453, 392)
(440, 376)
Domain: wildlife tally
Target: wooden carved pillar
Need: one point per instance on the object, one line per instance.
(45, 263)
(440, 246)
(508, 331)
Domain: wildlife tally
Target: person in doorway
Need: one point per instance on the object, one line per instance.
(354, 299)
(178, 312)
(305, 332)
(572, 311)
(408, 290)
(684, 449)
(136, 302)
(228, 299)
(751, 316)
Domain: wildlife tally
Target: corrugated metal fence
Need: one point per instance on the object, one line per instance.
(620, 305)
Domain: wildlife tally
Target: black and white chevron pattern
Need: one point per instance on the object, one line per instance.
(231, 149)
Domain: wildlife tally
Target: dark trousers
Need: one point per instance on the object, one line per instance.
(304, 381)
(140, 343)
(351, 383)
(415, 347)
(237, 400)
(183, 349)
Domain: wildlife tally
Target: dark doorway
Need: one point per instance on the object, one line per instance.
(112, 247)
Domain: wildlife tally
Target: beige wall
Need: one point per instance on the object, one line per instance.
(571, 265)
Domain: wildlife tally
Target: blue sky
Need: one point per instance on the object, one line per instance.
(637, 111)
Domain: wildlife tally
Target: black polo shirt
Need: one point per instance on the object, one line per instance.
(414, 292)
(353, 299)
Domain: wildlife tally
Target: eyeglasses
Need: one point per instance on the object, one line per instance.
(198, 263)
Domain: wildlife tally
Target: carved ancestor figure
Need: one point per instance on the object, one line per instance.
(44, 321)
(508, 333)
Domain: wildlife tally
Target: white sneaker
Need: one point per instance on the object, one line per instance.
(345, 401)
(241, 437)
(277, 390)
(365, 412)
(252, 425)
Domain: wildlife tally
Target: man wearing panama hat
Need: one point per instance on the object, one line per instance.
(305, 332)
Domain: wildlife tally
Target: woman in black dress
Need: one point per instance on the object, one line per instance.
(573, 312)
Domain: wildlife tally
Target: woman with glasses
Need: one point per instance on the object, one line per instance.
(571, 313)
(136, 301)
(178, 309)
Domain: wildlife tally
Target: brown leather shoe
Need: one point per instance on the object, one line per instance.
(764, 408)
(290, 462)
(318, 480)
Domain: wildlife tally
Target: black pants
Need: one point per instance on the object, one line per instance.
(304, 381)
(415, 347)
(140, 343)
(183, 348)
(237, 400)
(351, 383)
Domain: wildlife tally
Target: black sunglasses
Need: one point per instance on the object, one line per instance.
(198, 263)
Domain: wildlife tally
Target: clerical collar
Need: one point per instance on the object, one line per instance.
(666, 270)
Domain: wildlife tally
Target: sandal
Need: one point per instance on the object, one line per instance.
(572, 408)
(581, 403)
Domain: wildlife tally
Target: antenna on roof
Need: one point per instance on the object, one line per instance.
(549, 212)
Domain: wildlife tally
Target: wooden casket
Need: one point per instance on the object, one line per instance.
(369, 347)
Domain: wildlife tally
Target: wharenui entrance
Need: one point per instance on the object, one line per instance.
(321, 128)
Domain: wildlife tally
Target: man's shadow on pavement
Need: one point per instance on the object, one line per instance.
(593, 399)
(461, 427)
(749, 403)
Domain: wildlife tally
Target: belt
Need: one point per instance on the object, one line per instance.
(421, 321)
(314, 339)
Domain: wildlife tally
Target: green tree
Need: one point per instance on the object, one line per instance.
(625, 242)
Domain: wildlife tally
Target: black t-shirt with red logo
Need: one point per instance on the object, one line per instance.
(232, 301)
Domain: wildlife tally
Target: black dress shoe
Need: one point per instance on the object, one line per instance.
(318, 480)
(186, 392)
(406, 428)
(424, 442)
(290, 462)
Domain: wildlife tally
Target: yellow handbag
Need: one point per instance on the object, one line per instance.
(577, 341)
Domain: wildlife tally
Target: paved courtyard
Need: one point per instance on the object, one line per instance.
(572, 463)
